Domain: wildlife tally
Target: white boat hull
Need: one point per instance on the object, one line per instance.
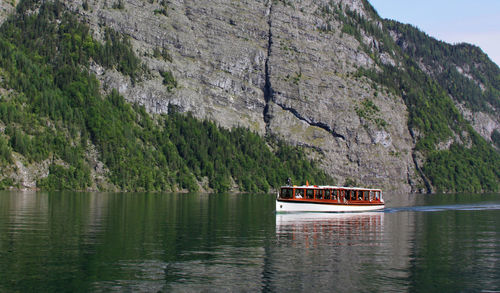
(290, 207)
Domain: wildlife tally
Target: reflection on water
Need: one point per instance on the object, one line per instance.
(311, 229)
(342, 252)
(105, 242)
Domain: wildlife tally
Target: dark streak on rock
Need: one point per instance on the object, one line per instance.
(321, 125)
(268, 90)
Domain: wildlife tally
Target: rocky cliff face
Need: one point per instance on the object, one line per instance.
(316, 99)
(278, 67)
(6, 8)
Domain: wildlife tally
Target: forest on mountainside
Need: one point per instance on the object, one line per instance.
(53, 111)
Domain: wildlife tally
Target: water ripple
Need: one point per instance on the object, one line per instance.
(440, 208)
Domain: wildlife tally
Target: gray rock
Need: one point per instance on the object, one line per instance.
(267, 66)
(6, 8)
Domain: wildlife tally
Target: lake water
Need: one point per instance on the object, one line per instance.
(102, 242)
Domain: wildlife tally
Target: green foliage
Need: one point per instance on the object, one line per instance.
(369, 8)
(52, 30)
(6, 183)
(163, 53)
(118, 5)
(354, 24)
(464, 169)
(495, 138)
(58, 111)
(296, 79)
(370, 112)
(117, 52)
(163, 9)
(61, 178)
(168, 80)
(348, 28)
(5, 151)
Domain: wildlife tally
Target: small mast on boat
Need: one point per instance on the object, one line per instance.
(313, 198)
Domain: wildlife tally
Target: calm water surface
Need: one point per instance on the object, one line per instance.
(103, 242)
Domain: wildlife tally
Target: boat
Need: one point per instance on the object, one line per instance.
(313, 198)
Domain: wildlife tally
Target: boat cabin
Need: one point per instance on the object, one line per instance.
(331, 194)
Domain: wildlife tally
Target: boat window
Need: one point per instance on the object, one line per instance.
(319, 194)
(334, 194)
(348, 194)
(327, 193)
(299, 193)
(286, 193)
(310, 193)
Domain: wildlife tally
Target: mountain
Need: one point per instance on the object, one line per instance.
(470, 78)
(372, 102)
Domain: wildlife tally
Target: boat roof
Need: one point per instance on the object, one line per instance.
(329, 187)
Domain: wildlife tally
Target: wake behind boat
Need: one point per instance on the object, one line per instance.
(312, 198)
